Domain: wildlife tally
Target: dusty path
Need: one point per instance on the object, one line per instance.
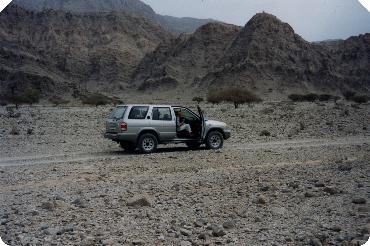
(285, 144)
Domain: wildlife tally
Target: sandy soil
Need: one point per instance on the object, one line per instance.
(306, 183)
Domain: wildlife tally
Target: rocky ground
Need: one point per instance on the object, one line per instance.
(292, 174)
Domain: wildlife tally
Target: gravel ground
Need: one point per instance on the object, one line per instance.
(308, 183)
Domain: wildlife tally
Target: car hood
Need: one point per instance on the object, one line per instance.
(215, 123)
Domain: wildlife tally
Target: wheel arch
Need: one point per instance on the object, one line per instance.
(144, 131)
(218, 129)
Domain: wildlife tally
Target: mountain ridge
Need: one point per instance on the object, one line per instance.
(267, 55)
(170, 23)
(56, 51)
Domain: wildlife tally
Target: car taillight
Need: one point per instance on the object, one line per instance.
(123, 126)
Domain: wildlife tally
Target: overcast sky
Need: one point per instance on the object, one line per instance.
(314, 20)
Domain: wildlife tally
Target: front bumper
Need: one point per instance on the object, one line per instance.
(227, 134)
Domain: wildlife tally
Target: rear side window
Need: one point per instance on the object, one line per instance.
(162, 114)
(138, 112)
(117, 113)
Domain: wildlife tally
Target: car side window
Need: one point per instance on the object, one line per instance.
(138, 112)
(161, 114)
(188, 115)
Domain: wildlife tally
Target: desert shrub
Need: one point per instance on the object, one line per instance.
(265, 133)
(296, 97)
(325, 97)
(56, 100)
(360, 99)
(198, 99)
(14, 131)
(352, 96)
(311, 97)
(29, 96)
(11, 112)
(98, 99)
(348, 94)
(235, 95)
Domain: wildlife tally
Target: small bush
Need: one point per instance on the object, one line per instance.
(198, 99)
(296, 97)
(235, 95)
(311, 97)
(14, 131)
(325, 97)
(265, 133)
(360, 99)
(29, 96)
(99, 99)
(11, 112)
(56, 100)
(349, 94)
(352, 96)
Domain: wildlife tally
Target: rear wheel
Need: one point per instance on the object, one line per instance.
(214, 140)
(128, 146)
(147, 143)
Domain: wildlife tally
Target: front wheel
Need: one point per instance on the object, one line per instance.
(214, 140)
(147, 143)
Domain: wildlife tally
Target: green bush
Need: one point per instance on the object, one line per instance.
(235, 95)
(198, 99)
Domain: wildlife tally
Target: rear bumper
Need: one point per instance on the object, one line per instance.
(118, 137)
(227, 134)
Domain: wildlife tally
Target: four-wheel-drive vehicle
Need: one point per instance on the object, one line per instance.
(143, 127)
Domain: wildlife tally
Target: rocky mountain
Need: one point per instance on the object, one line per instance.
(173, 24)
(185, 60)
(266, 56)
(56, 52)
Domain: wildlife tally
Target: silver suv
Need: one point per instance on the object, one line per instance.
(143, 127)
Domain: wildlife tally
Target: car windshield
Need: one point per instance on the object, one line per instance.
(118, 113)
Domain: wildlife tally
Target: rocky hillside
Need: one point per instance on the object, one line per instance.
(172, 24)
(57, 51)
(187, 59)
(266, 56)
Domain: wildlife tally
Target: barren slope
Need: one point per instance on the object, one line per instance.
(56, 50)
(266, 56)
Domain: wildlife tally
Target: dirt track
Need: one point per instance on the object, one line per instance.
(95, 156)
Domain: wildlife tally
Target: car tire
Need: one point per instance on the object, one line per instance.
(130, 147)
(147, 143)
(193, 145)
(214, 140)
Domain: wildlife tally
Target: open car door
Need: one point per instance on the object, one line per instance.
(203, 122)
